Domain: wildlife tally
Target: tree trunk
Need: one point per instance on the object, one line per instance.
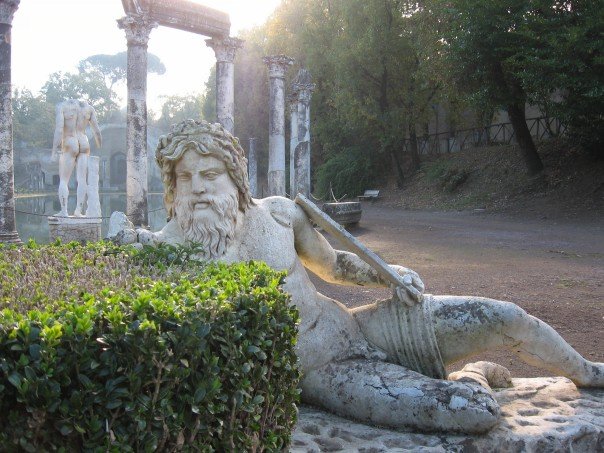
(523, 136)
(400, 180)
(413, 148)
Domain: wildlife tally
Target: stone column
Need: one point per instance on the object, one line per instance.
(252, 162)
(8, 226)
(303, 87)
(293, 139)
(225, 50)
(277, 66)
(137, 28)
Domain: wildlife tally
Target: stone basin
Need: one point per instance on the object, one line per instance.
(345, 213)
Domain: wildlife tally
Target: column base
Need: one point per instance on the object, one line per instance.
(10, 238)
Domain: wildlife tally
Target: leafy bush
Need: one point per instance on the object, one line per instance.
(188, 357)
(348, 172)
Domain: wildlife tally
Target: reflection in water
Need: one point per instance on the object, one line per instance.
(34, 224)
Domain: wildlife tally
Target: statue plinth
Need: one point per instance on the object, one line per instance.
(539, 414)
(80, 229)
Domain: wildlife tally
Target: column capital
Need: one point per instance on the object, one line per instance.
(137, 27)
(292, 100)
(277, 65)
(225, 48)
(7, 10)
(303, 86)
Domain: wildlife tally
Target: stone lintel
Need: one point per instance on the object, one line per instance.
(225, 48)
(7, 10)
(277, 65)
(183, 15)
(137, 27)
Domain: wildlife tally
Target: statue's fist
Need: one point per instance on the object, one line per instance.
(412, 284)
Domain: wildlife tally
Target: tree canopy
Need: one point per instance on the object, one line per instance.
(380, 67)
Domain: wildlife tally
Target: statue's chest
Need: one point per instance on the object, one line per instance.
(264, 239)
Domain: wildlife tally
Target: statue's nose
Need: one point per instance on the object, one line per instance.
(198, 185)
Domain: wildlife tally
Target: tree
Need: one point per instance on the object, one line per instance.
(562, 65)
(33, 120)
(89, 86)
(179, 108)
(114, 68)
(480, 39)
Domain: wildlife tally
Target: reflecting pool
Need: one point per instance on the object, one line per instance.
(33, 210)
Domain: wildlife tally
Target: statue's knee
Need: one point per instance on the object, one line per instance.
(508, 315)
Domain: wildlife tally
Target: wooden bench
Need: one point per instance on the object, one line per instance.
(370, 194)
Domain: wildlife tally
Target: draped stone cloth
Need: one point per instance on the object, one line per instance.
(405, 334)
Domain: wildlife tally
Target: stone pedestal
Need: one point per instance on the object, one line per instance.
(80, 229)
(277, 66)
(538, 415)
(345, 213)
(8, 226)
(137, 28)
(225, 49)
(252, 164)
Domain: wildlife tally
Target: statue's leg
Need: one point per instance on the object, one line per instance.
(82, 178)
(465, 326)
(66, 163)
(390, 395)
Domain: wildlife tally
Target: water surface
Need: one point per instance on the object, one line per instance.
(33, 210)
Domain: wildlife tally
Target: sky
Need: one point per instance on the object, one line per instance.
(54, 35)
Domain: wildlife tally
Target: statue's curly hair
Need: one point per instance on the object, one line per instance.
(206, 139)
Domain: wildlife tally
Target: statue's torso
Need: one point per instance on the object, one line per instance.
(265, 233)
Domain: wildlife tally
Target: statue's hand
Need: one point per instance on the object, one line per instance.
(412, 285)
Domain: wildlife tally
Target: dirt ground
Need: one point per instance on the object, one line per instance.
(554, 269)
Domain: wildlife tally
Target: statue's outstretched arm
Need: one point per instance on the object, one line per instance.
(337, 266)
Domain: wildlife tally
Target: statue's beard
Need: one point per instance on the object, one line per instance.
(213, 227)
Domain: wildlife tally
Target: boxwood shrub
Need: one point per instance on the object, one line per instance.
(105, 349)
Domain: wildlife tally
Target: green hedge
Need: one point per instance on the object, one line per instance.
(171, 357)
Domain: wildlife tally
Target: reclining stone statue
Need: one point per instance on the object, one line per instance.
(382, 363)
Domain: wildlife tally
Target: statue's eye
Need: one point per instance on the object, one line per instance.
(211, 175)
(183, 177)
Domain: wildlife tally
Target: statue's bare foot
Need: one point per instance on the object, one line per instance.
(61, 214)
(487, 374)
(78, 213)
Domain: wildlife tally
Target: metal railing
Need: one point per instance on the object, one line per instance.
(541, 128)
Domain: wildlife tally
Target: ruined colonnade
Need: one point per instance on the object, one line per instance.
(140, 19)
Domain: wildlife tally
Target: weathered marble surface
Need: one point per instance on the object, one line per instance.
(8, 227)
(355, 362)
(302, 89)
(80, 229)
(539, 415)
(277, 67)
(225, 50)
(137, 27)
